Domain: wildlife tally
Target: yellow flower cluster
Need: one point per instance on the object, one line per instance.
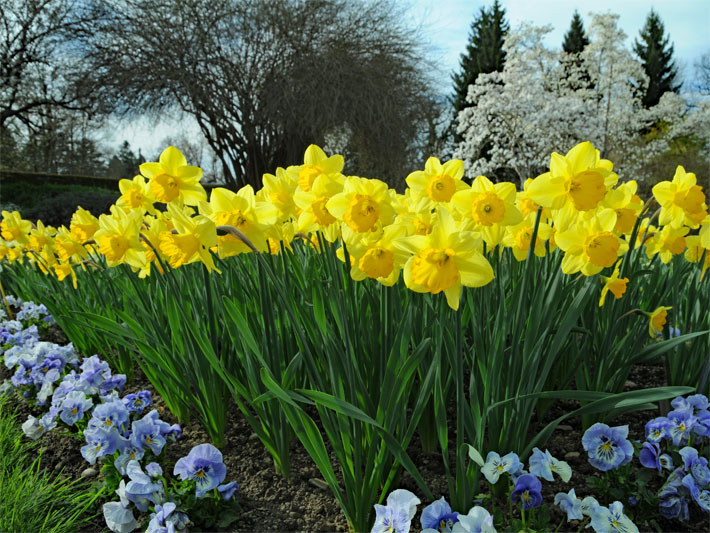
(438, 234)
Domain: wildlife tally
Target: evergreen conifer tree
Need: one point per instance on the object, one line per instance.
(656, 53)
(484, 54)
(575, 38)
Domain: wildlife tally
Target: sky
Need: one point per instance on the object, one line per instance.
(445, 25)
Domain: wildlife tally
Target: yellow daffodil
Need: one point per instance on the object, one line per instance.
(68, 248)
(375, 255)
(437, 183)
(656, 320)
(487, 203)
(278, 190)
(696, 251)
(445, 260)
(241, 210)
(580, 178)
(83, 225)
(173, 180)
(682, 200)
(315, 164)
(153, 227)
(616, 285)
(41, 237)
(193, 238)
(136, 194)
(591, 245)
(363, 204)
(62, 270)
(627, 205)
(284, 233)
(118, 238)
(525, 205)
(518, 237)
(13, 228)
(314, 215)
(666, 243)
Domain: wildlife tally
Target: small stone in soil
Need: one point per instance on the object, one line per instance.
(630, 384)
(89, 472)
(571, 455)
(565, 427)
(318, 483)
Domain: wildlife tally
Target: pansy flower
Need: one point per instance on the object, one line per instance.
(141, 490)
(612, 520)
(146, 434)
(695, 465)
(527, 490)
(651, 457)
(680, 423)
(478, 520)
(543, 465)
(396, 516)
(656, 429)
(570, 504)
(438, 516)
(204, 466)
(607, 447)
(74, 405)
(109, 415)
(496, 465)
(100, 442)
(701, 497)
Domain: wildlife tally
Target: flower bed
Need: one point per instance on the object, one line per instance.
(361, 367)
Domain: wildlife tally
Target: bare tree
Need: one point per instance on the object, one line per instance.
(265, 79)
(42, 59)
(702, 73)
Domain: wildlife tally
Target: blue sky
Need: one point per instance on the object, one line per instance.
(446, 23)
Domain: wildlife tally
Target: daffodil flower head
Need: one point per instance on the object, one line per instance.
(656, 320)
(173, 180)
(278, 190)
(519, 236)
(437, 183)
(696, 252)
(682, 200)
(362, 204)
(445, 260)
(613, 283)
(192, 240)
(579, 178)
(13, 228)
(316, 164)
(136, 194)
(487, 203)
(666, 243)
(591, 245)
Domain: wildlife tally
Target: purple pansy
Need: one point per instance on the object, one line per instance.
(527, 490)
(607, 447)
(204, 466)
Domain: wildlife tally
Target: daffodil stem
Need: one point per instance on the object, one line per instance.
(7, 305)
(211, 313)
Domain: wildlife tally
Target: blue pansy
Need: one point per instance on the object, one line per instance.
(227, 490)
(527, 490)
(141, 489)
(612, 520)
(496, 465)
(146, 434)
(543, 465)
(110, 415)
(570, 504)
(73, 407)
(138, 401)
(438, 516)
(656, 429)
(680, 422)
(100, 442)
(129, 452)
(204, 466)
(672, 497)
(478, 520)
(607, 447)
(696, 465)
(651, 457)
(396, 516)
(701, 497)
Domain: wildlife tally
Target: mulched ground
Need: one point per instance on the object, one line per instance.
(303, 503)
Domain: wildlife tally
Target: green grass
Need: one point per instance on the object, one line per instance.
(33, 499)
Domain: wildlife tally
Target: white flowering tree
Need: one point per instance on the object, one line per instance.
(546, 101)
